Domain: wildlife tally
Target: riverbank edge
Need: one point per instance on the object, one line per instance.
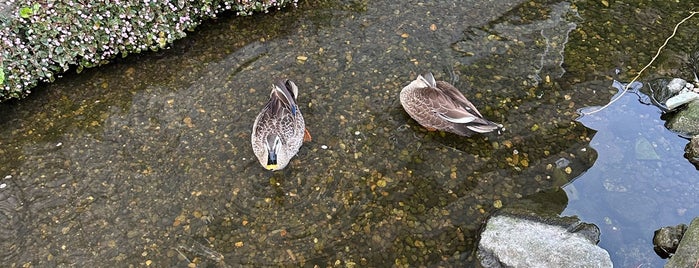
(42, 40)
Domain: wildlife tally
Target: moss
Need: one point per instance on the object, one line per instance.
(42, 39)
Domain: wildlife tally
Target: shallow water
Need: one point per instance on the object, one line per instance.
(147, 161)
(638, 184)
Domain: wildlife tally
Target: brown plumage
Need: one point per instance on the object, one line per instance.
(279, 129)
(437, 105)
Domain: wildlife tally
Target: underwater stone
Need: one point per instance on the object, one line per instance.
(644, 150)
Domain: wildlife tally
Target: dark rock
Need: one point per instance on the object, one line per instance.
(661, 89)
(687, 252)
(691, 151)
(666, 240)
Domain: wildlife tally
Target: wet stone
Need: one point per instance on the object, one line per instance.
(691, 151)
(667, 239)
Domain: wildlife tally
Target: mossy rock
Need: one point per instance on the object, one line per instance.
(685, 121)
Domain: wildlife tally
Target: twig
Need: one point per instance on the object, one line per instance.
(626, 88)
(184, 256)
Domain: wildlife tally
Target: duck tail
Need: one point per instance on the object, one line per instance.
(483, 126)
(286, 90)
(428, 79)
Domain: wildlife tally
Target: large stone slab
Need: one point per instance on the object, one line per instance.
(512, 241)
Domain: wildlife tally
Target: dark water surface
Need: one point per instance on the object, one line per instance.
(147, 161)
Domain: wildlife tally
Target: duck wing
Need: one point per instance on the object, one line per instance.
(458, 97)
(462, 112)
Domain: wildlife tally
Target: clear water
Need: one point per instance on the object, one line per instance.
(147, 161)
(639, 183)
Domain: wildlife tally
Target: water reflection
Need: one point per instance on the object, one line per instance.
(639, 183)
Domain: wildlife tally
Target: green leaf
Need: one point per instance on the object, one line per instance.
(2, 76)
(26, 12)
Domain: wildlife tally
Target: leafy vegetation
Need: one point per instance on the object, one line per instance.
(42, 39)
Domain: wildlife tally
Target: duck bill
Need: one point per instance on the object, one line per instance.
(271, 161)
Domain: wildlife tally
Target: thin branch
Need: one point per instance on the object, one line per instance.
(626, 88)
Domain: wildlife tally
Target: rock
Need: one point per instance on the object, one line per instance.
(513, 241)
(685, 121)
(681, 98)
(661, 89)
(668, 94)
(666, 240)
(691, 151)
(687, 253)
(676, 85)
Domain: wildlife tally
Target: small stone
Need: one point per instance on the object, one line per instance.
(419, 244)
(676, 85)
(568, 170)
(497, 203)
(524, 163)
(188, 121)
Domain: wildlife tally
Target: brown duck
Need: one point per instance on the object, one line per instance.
(279, 129)
(437, 105)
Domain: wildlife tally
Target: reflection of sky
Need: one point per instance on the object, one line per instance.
(639, 183)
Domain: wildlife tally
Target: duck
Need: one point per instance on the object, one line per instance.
(438, 105)
(279, 129)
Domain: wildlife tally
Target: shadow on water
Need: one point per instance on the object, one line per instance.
(148, 161)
